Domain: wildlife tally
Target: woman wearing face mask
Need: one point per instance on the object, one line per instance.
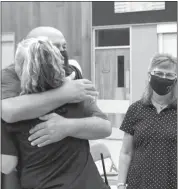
(148, 155)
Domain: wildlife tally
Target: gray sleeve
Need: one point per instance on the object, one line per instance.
(91, 110)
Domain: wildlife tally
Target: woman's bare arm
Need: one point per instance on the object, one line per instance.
(125, 157)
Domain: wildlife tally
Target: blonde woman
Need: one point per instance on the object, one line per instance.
(148, 158)
(64, 164)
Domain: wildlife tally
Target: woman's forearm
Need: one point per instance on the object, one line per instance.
(124, 163)
(32, 106)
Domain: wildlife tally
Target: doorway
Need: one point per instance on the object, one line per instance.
(112, 78)
(112, 71)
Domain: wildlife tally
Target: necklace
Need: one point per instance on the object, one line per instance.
(161, 106)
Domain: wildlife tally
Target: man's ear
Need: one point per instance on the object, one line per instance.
(76, 64)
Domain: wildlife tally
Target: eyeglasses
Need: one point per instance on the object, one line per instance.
(160, 74)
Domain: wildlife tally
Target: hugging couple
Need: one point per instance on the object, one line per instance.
(48, 116)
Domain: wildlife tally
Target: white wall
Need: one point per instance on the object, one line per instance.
(167, 38)
(7, 49)
(143, 47)
(170, 43)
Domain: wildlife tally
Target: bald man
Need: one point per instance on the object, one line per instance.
(17, 108)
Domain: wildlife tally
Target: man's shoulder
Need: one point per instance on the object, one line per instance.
(9, 72)
(10, 83)
(10, 68)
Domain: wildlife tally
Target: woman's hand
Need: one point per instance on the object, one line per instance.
(79, 90)
(53, 129)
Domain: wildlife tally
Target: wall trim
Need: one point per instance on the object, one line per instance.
(8, 37)
(128, 25)
(130, 58)
(167, 28)
(112, 47)
(93, 57)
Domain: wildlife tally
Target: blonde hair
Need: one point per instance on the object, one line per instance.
(157, 61)
(40, 64)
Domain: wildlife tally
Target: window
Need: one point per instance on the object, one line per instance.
(167, 38)
(112, 37)
(120, 71)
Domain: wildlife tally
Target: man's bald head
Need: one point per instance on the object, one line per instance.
(53, 34)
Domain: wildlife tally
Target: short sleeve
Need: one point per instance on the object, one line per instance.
(78, 74)
(92, 110)
(129, 120)
(10, 84)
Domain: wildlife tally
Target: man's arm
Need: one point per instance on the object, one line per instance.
(16, 108)
(56, 127)
(35, 105)
(94, 126)
(32, 106)
(91, 128)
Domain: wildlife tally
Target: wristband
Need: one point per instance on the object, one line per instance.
(121, 184)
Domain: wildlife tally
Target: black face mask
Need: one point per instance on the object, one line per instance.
(161, 86)
(66, 61)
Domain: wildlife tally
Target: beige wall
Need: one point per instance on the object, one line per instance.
(72, 18)
(144, 45)
(7, 45)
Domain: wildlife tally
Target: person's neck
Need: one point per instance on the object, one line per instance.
(165, 99)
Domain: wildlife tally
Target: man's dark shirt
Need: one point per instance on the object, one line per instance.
(66, 164)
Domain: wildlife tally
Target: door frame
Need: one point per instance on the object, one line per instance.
(123, 104)
(162, 27)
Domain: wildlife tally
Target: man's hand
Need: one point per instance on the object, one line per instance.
(79, 90)
(53, 129)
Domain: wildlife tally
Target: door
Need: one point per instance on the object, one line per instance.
(112, 79)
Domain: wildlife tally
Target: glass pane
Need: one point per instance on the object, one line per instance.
(116, 37)
(120, 71)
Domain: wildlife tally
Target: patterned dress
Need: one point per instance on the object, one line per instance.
(154, 162)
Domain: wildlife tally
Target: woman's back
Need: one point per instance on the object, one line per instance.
(49, 165)
(40, 67)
